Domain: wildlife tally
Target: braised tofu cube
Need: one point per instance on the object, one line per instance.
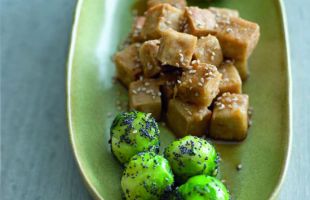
(176, 49)
(231, 81)
(237, 37)
(199, 85)
(242, 67)
(199, 22)
(128, 66)
(136, 35)
(144, 96)
(160, 18)
(224, 12)
(230, 117)
(186, 119)
(148, 53)
(176, 3)
(209, 51)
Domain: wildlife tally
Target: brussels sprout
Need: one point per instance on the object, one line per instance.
(133, 132)
(190, 156)
(147, 176)
(203, 187)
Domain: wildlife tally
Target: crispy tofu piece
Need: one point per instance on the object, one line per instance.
(231, 81)
(176, 3)
(200, 85)
(186, 119)
(230, 117)
(199, 22)
(224, 12)
(209, 51)
(238, 37)
(242, 67)
(160, 18)
(148, 52)
(176, 49)
(128, 66)
(136, 28)
(144, 96)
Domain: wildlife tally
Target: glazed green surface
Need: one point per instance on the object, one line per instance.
(132, 133)
(190, 156)
(102, 24)
(203, 187)
(147, 176)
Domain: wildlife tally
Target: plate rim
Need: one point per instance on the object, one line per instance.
(71, 49)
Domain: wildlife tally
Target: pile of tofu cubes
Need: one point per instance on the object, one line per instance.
(185, 65)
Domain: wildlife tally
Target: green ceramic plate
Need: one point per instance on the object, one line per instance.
(100, 25)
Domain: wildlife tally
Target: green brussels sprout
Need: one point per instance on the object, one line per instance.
(147, 176)
(133, 132)
(203, 187)
(190, 156)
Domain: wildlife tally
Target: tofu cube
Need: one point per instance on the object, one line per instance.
(231, 81)
(136, 28)
(148, 53)
(186, 119)
(199, 22)
(242, 67)
(224, 12)
(144, 96)
(200, 85)
(237, 37)
(176, 3)
(176, 49)
(209, 51)
(160, 18)
(128, 66)
(230, 117)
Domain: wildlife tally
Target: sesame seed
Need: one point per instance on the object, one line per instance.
(229, 30)
(134, 91)
(179, 82)
(239, 167)
(192, 71)
(134, 131)
(221, 107)
(146, 83)
(194, 62)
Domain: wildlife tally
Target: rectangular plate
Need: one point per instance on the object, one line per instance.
(101, 25)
